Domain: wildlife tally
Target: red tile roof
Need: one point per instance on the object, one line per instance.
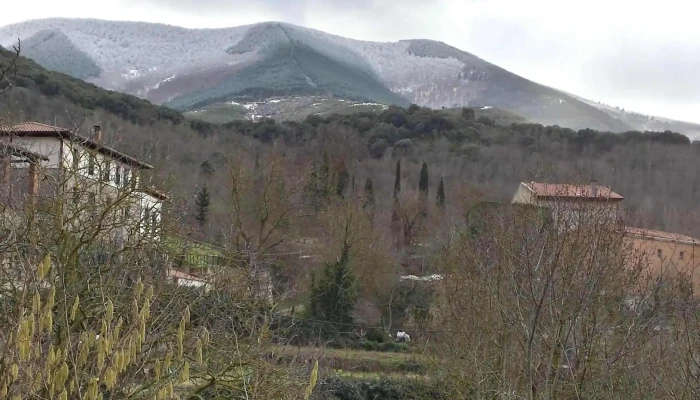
(33, 127)
(653, 234)
(37, 129)
(566, 190)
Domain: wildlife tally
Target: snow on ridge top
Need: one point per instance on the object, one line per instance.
(486, 107)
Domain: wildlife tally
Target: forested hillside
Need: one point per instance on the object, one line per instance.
(190, 69)
(357, 218)
(654, 171)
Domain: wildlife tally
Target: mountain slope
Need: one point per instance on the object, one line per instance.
(189, 69)
(55, 51)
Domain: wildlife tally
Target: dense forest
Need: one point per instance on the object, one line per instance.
(653, 170)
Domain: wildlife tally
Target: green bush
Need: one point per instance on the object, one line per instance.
(377, 335)
(335, 387)
(395, 347)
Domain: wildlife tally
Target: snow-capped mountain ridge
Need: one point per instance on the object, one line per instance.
(190, 68)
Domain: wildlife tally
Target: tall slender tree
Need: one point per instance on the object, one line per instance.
(441, 193)
(342, 183)
(202, 206)
(337, 293)
(369, 195)
(423, 183)
(397, 180)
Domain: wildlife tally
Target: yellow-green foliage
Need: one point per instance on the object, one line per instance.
(42, 364)
(312, 382)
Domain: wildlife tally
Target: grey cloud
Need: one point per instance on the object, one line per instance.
(290, 10)
(668, 72)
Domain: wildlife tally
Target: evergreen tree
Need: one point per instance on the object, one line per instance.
(397, 180)
(319, 186)
(202, 203)
(206, 168)
(468, 114)
(441, 194)
(343, 178)
(337, 293)
(313, 302)
(369, 195)
(423, 183)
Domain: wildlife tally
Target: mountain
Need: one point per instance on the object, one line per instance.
(191, 69)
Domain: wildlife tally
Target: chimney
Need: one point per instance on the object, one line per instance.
(97, 134)
(594, 188)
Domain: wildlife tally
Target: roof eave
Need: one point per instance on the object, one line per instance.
(66, 134)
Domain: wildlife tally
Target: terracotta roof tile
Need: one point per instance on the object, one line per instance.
(43, 130)
(33, 127)
(567, 190)
(653, 234)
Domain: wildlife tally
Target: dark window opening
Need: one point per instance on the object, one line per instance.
(118, 175)
(76, 160)
(107, 170)
(91, 165)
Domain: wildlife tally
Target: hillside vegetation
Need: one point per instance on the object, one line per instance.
(192, 69)
(469, 146)
(337, 208)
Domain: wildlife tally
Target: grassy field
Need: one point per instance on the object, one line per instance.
(295, 108)
(352, 361)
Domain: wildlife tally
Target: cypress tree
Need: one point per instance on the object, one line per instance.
(441, 193)
(423, 183)
(338, 292)
(342, 184)
(397, 180)
(369, 194)
(202, 204)
(313, 302)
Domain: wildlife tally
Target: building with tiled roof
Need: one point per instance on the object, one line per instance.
(87, 168)
(663, 256)
(590, 192)
(572, 204)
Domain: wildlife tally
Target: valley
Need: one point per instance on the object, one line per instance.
(326, 194)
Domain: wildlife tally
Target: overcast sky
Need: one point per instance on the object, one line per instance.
(621, 52)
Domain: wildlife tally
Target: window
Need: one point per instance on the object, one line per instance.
(146, 218)
(659, 253)
(682, 255)
(91, 165)
(154, 222)
(118, 175)
(107, 170)
(76, 159)
(125, 176)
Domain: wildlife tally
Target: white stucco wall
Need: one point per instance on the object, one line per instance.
(46, 146)
(61, 153)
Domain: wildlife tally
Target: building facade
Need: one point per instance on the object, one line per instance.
(572, 205)
(89, 172)
(664, 256)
